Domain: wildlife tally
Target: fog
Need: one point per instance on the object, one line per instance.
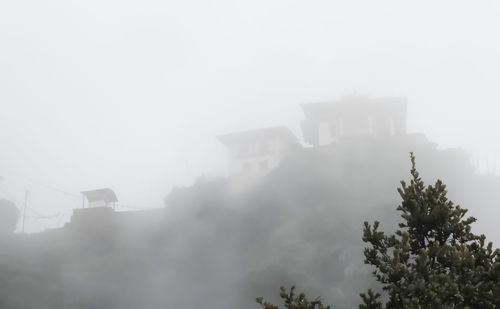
(131, 95)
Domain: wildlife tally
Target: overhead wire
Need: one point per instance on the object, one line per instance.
(35, 215)
(47, 186)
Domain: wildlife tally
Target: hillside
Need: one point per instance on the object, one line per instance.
(222, 242)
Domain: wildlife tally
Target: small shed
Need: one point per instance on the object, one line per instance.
(100, 198)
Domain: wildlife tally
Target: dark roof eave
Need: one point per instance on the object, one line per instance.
(257, 134)
(105, 194)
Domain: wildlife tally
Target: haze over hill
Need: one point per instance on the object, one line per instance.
(242, 143)
(222, 242)
(131, 95)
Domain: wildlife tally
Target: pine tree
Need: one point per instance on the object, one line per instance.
(433, 260)
(293, 301)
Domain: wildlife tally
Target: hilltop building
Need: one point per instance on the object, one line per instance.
(100, 198)
(325, 123)
(257, 151)
(328, 122)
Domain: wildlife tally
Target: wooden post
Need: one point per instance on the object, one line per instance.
(25, 206)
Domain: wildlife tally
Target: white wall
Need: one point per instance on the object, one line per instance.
(99, 204)
(255, 160)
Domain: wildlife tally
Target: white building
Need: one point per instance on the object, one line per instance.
(327, 122)
(257, 151)
(100, 198)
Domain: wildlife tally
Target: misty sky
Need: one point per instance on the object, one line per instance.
(131, 94)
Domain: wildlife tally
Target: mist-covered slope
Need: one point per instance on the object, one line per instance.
(222, 242)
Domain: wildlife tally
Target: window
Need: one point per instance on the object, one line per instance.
(265, 147)
(333, 129)
(392, 125)
(263, 165)
(371, 130)
(243, 150)
(247, 167)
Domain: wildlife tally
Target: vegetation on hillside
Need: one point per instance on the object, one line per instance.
(9, 215)
(220, 242)
(432, 261)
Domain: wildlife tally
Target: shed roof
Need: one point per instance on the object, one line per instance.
(104, 194)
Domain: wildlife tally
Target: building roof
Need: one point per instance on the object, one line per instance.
(104, 194)
(354, 104)
(243, 136)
